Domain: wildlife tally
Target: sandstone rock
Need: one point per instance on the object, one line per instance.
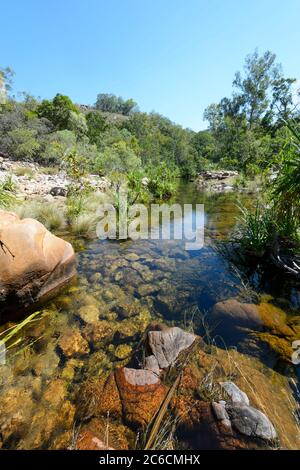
(72, 344)
(221, 413)
(88, 441)
(250, 421)
(98, 397)
(152, 364)
(236, 395)
(89, 313)
(234, 312)
(104, 434)
(140, 377)
(168, 343)
(33, 261)
(141, 393)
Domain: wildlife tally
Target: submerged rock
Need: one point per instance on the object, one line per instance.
(72, 344)
(89, 313)
(231, 312)
(104, 434)
(168, 343)
(123, 351)
(88, 441)
(33, 261)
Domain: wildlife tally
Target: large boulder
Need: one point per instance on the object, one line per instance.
(232, 320)
(33, 261)
(250, 421)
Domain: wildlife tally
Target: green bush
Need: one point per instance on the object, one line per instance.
(162, 181)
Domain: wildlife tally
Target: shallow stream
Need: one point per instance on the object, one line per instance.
(126, 286)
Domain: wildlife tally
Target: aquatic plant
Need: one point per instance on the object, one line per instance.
(255, 228)
(11, 336)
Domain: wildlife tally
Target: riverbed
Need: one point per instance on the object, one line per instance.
(124, 286)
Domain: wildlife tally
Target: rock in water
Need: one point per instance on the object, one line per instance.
(72, 344)
(232, 320)
(250, 421)
(168, 343)
(33, 261)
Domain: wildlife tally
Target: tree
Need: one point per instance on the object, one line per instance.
(282, 98)
(6, 75)
(118, 158)
(253, 88)
(58, 111)
(96, 124)
(115, 104)
(77, 123)
(23, 143)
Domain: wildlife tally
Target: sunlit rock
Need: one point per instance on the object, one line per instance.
(33, 261)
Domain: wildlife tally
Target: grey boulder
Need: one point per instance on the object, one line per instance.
(250, 421)
(167, 343)
(236, 395)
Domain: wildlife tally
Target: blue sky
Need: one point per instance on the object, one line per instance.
(171, 56)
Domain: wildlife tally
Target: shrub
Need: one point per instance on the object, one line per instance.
(162, 181)
(50, 215)
(24, 171)
(6, 198)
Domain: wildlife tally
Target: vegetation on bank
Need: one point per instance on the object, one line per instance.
(246, 132)
(255, 131)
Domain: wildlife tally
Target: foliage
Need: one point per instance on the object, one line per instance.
(9, 184)
(23, 143)
(6, 198)
(255, 231)
(285, 190)
(6, 75)
(115, 104)
(162, 181)
(58, 111)
(245, 128)
(120, 157)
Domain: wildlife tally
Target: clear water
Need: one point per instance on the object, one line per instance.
(129, 284)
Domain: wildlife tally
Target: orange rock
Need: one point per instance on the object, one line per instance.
(73, 344)
(33, 261)
(105, 434)
(141, 393)
(99, 397)
(88, 441)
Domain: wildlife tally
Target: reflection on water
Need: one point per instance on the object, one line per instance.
(120, 289)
